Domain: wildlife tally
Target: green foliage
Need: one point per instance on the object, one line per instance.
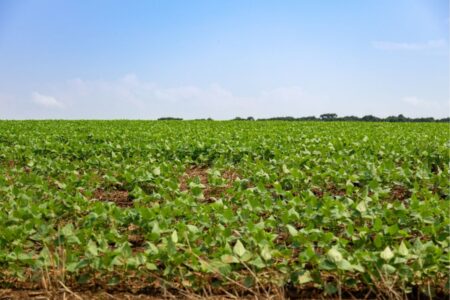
(364, 203)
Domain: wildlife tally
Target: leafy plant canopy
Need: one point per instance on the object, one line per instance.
(240, 207)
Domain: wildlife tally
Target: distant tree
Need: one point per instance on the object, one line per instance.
(328, 117)
(308, 118)
(278, 119)
(391, 119)
(422, 120)
(209, 119)
(370, 118)
(287, 118)
(334, 117)
(349, 118)
(402, 118)
(399, 118)
(170, 119)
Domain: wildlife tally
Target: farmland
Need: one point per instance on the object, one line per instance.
(229, 208)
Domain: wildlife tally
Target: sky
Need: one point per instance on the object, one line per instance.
(94, 59)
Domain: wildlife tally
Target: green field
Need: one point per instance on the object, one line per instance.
(229, 208)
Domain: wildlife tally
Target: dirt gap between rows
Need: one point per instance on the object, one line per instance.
(202, 173)
(120, 197)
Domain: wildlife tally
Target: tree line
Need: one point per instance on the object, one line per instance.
(367, 118)
(330, 117)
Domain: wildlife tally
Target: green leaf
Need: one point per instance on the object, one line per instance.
(334, 255)
(361, 207)
(393, 229)
(330, 288)
(377, 224)
(174, 236)
(378, 241)
(387, 254)
(239, 248)
(157, 171)
(72, 267)
(67, 230)
(229, 259)
(403, 250)
(358, 268)
(151, 266)
(388, 269)
(247, 256)
(155, 229)
(344, 265)
(257, 262)
(24, 256)
(292, 230)
(92, 248)
(193, 228)
(266, 253)
(151, 249)
(294, 213)
(305, 278)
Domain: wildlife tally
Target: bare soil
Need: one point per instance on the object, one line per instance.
(330, 189)
(210, 191)
(400, 193)
(120, 197)
(307, 293)
(8, 294)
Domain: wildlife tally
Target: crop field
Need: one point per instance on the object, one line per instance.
(230, 208)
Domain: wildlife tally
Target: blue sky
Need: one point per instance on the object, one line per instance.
(221, 59)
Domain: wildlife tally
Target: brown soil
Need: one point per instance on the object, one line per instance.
(317, 192)
(8, 294)
(191, 173)
(329, 189)
(308, 291)
(136, 238)
(120, 198)
(399, 193)
(140, 288)
(202, 173)
(335, 191)
(102, 295)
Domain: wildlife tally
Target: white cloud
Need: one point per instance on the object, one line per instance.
(46, 101)
(130, 97)
(290, 93)
(431, 44)
(420, 103)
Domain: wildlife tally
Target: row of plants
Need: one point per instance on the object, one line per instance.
(225, 207)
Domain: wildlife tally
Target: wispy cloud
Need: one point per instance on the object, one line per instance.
(46, 101)
(131, 97)
(431, 44)
(420, 103)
